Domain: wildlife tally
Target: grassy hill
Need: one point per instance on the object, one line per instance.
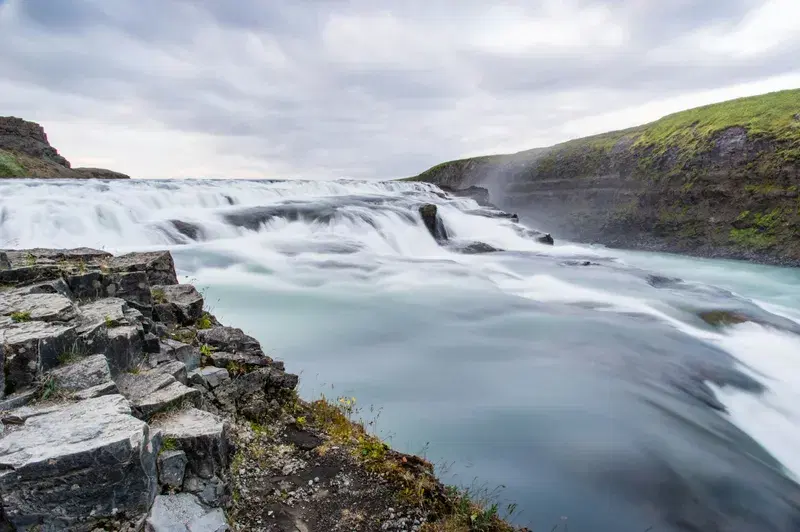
(718, 180)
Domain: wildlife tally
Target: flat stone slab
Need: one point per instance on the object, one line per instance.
(82, 374)
(209, 376)
(202, 436)
(230, 339)
(183, 512)
(153, 391)
(175, 350)
(109, 312)
(44, 307)
(95, 445)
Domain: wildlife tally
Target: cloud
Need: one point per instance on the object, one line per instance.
(330, 88)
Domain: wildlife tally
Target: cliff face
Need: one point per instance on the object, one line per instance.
(26, 152)
(721, 181)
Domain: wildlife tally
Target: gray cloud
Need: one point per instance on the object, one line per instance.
(370, 89)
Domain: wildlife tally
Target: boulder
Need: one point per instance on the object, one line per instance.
(183, 512)
(171, 468)
(181, 303)
(188, 229)
(44, 307)
(230, 339)
(175, 350)
(107, 388)
(151, 343)
(209, 377)
(158, 265)
(202, 436)
(251, 392)
(82, 374)
(133, 287)
(25, 275)
(151, 392)
(54, 286)
(433, 222)
(59, 468)
(175, 368)
(32, 347)
(472, 248)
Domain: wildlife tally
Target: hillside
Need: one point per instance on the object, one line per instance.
(720, 180)
(26, 152)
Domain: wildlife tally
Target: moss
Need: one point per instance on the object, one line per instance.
(20, 317)
(10, 166)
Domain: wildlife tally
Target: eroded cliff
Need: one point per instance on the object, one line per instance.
(720, 181)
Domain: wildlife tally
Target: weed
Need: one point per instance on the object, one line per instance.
(204, 322)
(20, 317)
(71, 355)
(109, 322)
(207, 350)
(158, 295)
(169, 444)
(235, 369)
(301, 421)
(81, 266)
(49, 389)
(30, 259)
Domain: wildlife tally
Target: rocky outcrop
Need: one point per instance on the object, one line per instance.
(111, 423)
(26, 152)
(717, 181)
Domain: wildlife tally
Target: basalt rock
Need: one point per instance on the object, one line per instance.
(181, 303)
(158, 265)
(433, 223)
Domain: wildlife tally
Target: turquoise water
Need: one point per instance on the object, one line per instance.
(593, 393)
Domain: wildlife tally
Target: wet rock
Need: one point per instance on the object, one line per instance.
(542, 238)
(493, 213)
(124, 348)
(158, 265)
(94, 444)
(31, 348)
(183, 512)
(44, 307)
(153, 391)
(472, 248)
(188, 229)
(433, 222)
(479, 194)
(722, 318)
(209, 377)
(230, 339)
(171, 468)
(180, 303)
(82, 374)
(202, 436)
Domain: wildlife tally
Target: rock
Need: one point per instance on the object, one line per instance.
(171, 467)
(5, 264)
(109, 311)
(28, 138)
(433, 222)
(472, 248)
(303, 439)
(248, 393)
(133, 287)
(25, 275)
(158, 265)
(82, 374)
(479, 194)
(212, 492)
(183, 512)
(545, 239)
(185, 301)
(175, 350)
(188, 229)
(107, 388)
(237, 362)
(231, 340)
(54, 286)
(209, 377)
(124, 349)
(44, 307)
(94, 444)
(152, 391)
(494, 213)
(202, 436)
(18, 399)
(151, 343)
(721, 318)
(31, 348)
(542, 238)
(176, 369)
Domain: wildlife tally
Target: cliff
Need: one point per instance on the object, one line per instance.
(26, 152)
(720, 181)
(126, 406)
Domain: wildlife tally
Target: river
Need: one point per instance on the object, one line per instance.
(579, 378)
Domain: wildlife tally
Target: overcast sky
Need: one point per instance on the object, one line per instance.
(372, 89)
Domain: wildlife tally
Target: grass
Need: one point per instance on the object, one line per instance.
(770, 115)
(21, 316)
(73, 354)
(10, 166)
(169, 444)
(158, 295)
(207, 350)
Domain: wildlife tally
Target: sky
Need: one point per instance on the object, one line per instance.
(369, 88)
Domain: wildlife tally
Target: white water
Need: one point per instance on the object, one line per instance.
(375, 248)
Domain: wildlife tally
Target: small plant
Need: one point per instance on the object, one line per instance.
(158, 295)
(169, 444)
(109, 321)
(135, 370)
(20, 317)
(49, 389)
(30, 259)
(71, 355)
(302, 421)
(81, 266)
(235, 369)
(207, 350)
(204, 322)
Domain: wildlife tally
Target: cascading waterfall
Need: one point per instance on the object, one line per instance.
(595, 389)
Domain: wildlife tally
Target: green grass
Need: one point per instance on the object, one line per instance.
(9, 165)
(205, 321)
(158, 295)
(771, 115)
(20, 317)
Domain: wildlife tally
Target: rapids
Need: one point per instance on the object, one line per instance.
(579, 377)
